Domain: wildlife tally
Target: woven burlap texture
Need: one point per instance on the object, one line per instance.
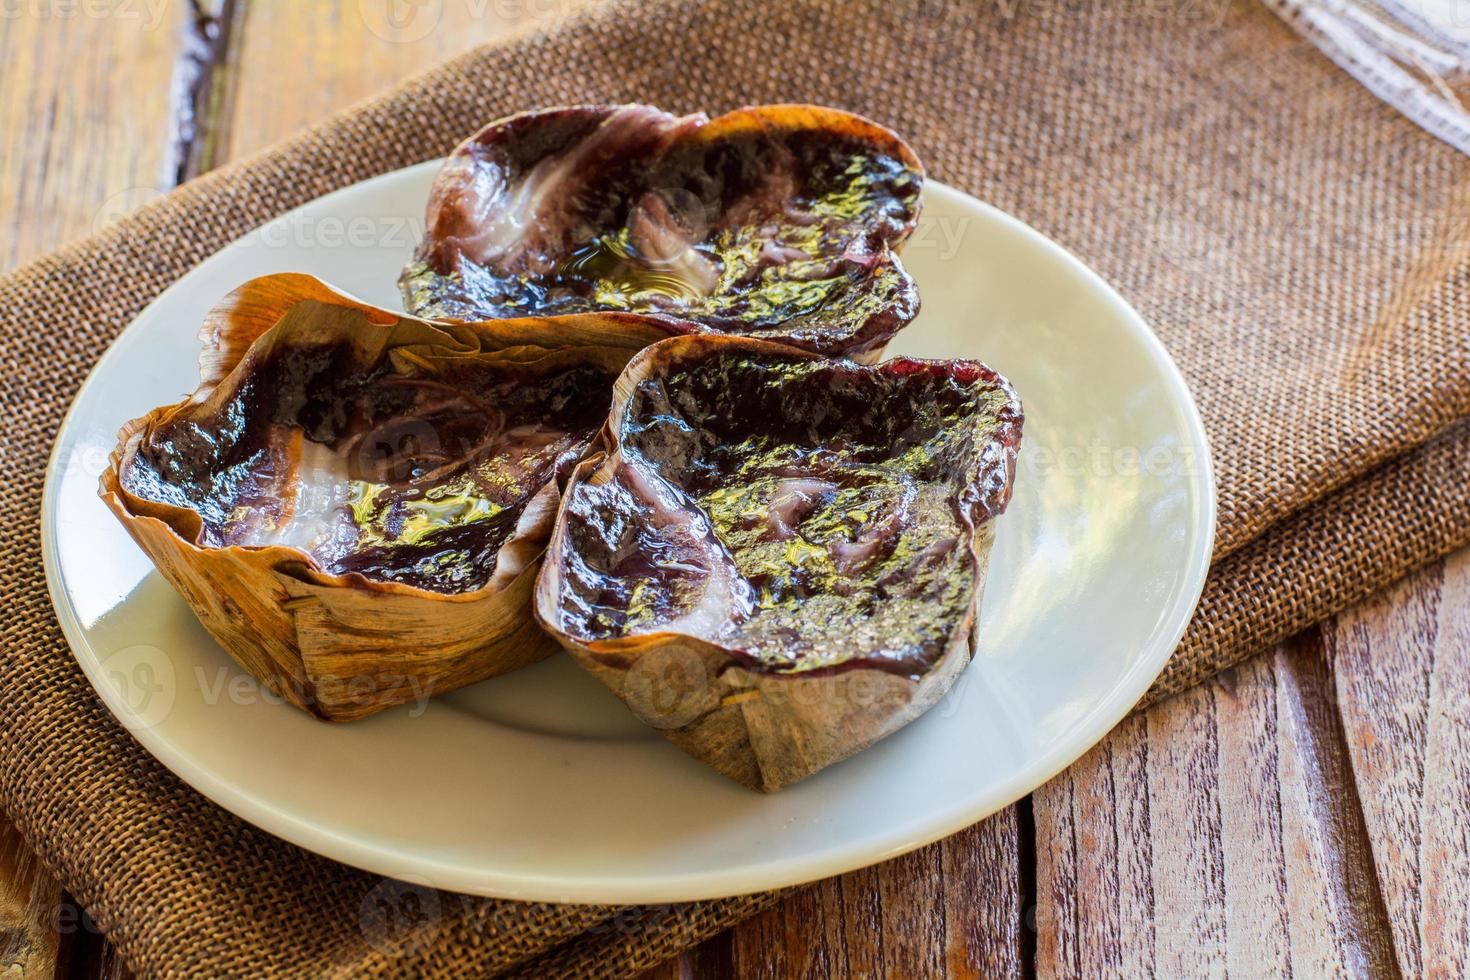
(1299, 247)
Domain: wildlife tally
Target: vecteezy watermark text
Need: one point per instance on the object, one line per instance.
(146, 682)
(149, 14)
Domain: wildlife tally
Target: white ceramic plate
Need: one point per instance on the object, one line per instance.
(541, 785)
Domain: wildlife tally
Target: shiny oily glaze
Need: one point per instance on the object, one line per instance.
(776, 222)
(804, 514)
(398, 471)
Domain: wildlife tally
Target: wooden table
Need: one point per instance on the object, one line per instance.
(1308, 812)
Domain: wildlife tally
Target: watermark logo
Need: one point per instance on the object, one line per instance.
(668, 687)
(941, 236)
(361, 231)
(401, 21)
(144, 677)
(401, 915)
(122, 204)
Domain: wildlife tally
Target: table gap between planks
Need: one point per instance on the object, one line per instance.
(1306, 813)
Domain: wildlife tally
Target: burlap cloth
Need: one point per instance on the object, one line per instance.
(1299, 247)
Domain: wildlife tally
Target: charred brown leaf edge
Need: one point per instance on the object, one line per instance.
(344, 644)
(780, 222)
(756, 718)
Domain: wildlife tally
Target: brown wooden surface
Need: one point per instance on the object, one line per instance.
(1308, 813)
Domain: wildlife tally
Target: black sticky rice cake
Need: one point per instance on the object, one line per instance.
(777, 559)
(778, 222)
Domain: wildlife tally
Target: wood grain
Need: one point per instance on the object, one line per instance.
(85, 952)
(1403, 678)
(1336, 913)
(29, 902)
(299, 62)
(84, 118)
(952, 909)
(1216, 834)
(200, 93)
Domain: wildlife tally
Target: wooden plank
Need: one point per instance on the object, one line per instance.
(84, 117)
(200, 92)
(1090, 826)
(85, 953)
(299, 62)
(985, 881)
(1217, 834)
(1403, 678)
(1444, 887)
(30, 939)
(1252, 842)
(1184, 801)
(952, 909)
(712, 960)
(1338, 924)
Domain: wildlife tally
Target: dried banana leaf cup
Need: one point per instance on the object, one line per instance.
(777, 559)
(781, 222)
(355, 502)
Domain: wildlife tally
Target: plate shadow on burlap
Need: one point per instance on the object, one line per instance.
(1299, 248)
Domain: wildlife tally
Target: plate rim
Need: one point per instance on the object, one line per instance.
(427, 868)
